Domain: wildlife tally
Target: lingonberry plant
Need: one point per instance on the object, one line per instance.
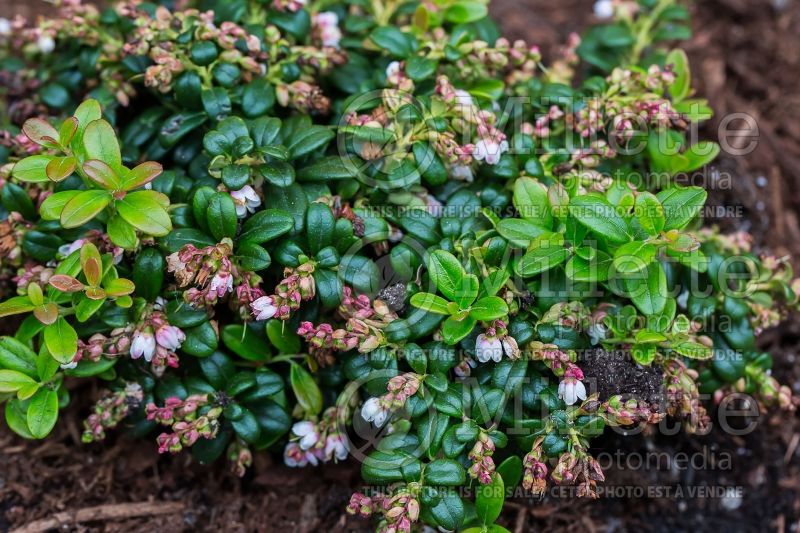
(368, 230)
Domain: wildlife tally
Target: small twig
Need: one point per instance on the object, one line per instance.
(519, 525)
(117, 511)
(792, 447)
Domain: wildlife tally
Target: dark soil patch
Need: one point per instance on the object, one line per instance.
(611, 373)
(746, 58)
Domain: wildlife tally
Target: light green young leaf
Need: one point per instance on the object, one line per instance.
(430, 302)
(144, 210)
(32, 169)
(489, 308)
(83, 207)
(16, 305)
(100, 142)
(54, 204)
(12, 381)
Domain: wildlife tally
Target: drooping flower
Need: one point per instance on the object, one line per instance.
(170, 337)
(488, 348)
(221, 283)
(307, 431)
(67, 249)
(143, 345)
(264, 308)
(604, 9)
(373, 411)
(246, 200)
(392, 69)
(495, 343)
(597, 332)
(462, 172)
(336, 446)
(327, 26)
(571, 389)
(510, 347)
(464, 98)
(489, 150)
(294, 456)
(45, 44)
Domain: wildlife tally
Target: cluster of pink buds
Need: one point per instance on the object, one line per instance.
(495, 343)
(297, 286)
(31, 273)
(481, 456)
(591, 156)
(578, 467)
(363, 505)
(562, 70)
(210, 269)
(110, 410)
(19, 144)
(619, 412)
(303, 96)
(240, 456)
(767, 387)
(480, 60)
(118, 342)
(166, 68)
(366, 320)
(683, 396)
(324, 338)
(288, 5)
(11, 235)
(551, 355)
(186, 423)
(396, 77)
(313, 442)
(156, 38)
(588, 120)
(763, 317)
(399, 510)
(534, 476)
(490, 142)
(377, 410)
(325, 29)
(543, 124)
(659, 79)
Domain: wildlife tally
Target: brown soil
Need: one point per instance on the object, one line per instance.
(745, 55)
